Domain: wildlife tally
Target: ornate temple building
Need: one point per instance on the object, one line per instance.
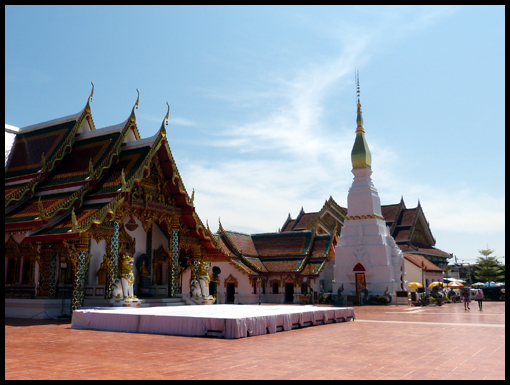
(274, 267)
(83, 204)
(78, 199)
(408, 227)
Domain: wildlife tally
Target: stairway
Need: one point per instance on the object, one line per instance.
(152, 302)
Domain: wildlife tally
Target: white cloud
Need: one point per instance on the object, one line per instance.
(172, 121)
(295, 161)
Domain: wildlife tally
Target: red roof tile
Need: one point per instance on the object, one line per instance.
(389, 212)
(304, 221)
(281, 244)
(243, 242)
(417, 259)
(408, 216)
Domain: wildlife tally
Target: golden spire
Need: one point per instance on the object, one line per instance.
(359, 116)
(360, 155)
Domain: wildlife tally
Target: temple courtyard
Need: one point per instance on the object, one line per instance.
(384, 342)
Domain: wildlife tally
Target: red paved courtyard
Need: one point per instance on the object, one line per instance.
(385, 342)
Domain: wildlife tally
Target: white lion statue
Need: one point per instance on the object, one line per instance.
(122, 288)
(200, 288)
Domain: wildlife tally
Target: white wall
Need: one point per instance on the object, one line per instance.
(97, 250)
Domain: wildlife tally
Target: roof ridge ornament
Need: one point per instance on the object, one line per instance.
(133, 116)
(163, 130)
(91, 92)
(87, 107)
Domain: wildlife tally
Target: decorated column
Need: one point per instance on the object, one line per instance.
(114, 260)
(174, 266)
(80, 263)
(53, 274)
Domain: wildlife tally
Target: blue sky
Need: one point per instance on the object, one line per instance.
(263, 102)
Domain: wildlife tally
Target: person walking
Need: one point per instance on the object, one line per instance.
(465, 297)
(479, 298)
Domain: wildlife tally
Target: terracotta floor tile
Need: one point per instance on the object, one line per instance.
(385, 342)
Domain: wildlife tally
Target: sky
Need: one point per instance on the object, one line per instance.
(263, 102)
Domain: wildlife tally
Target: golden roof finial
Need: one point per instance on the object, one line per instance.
(192, 199)
(87, 107)
(133, 116)
(163, 130)
(123, 186)
(91, 92)
(43, 161)
(40, 208)
(91, 168)
(74, 222)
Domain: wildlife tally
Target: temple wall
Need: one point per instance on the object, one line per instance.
(413, 274)
(327, 275)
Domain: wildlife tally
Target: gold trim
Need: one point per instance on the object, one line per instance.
(355, 217)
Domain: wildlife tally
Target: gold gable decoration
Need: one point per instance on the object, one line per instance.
(11, 247)
(230, 279)
(127, 245)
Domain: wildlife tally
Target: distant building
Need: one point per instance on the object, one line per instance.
(460, 271)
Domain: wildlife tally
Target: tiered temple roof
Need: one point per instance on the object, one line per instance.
(408, 227)
(302, 253)
(64, 177)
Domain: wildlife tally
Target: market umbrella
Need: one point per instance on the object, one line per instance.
(453, 279)
(414, 285)
(455, 285)
(435, 284)
(478, 284)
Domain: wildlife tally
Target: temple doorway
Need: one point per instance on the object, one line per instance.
(231, 292)
(289, 292)
(360, 283)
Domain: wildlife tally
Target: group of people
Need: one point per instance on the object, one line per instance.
(478, 297)
(454, 297)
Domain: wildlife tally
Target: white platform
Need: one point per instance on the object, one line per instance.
(227, 321)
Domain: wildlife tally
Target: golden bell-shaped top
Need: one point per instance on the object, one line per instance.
(360, 155)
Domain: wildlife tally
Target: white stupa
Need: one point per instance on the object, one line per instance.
(366, 254)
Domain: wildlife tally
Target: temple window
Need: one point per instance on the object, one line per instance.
(158, 274)
(275, 288)
(26, 276)
(12, 271)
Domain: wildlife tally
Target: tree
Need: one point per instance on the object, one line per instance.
(487, 267)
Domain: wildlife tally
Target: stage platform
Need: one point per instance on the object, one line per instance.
(224, 321)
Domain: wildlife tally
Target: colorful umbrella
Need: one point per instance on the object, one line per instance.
(414, 285)
(435, 284)
(455, 285)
